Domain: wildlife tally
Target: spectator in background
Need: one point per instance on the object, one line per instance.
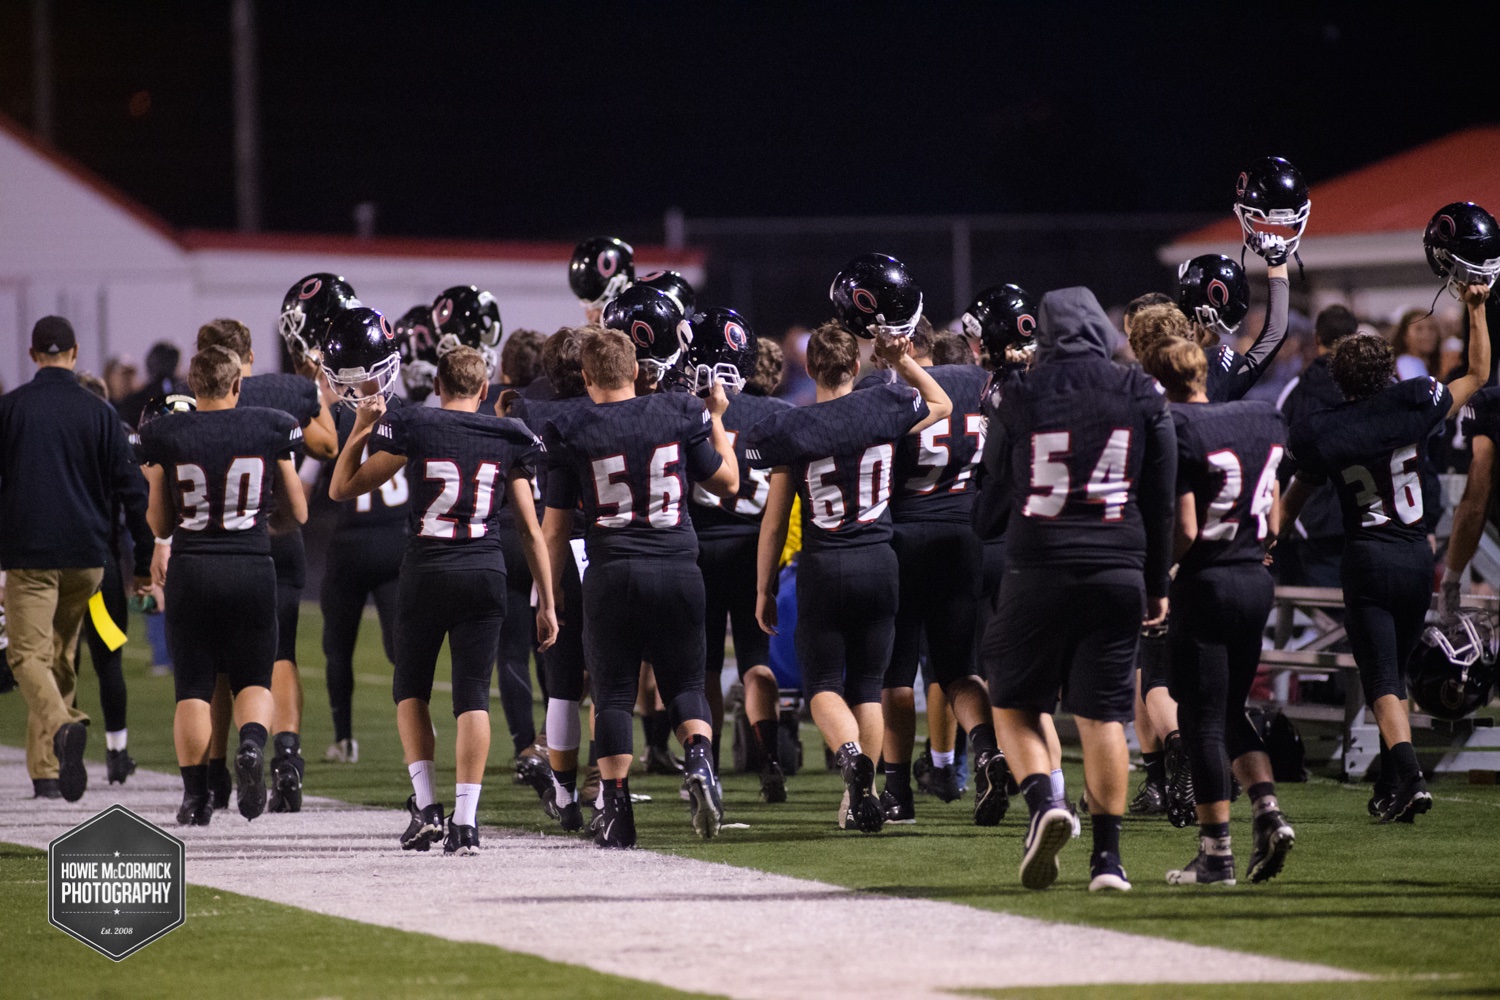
(64, 461)
(161, 376)
(951, 349)
(121, 378)
(1452, 358)
(1415, 344)
(797, 387)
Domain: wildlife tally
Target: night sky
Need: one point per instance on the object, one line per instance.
(557, 121)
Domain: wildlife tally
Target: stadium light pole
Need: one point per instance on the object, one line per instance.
(246, 117)
(41, 64)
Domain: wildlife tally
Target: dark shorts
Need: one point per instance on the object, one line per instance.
(846, 620)
(941, 572)
(1154, 657)
(728, 566)
(1070, 631)
(563, 665)
(289, 556)
(360, 565)
(465, 607)
(221, 618)
(1387, 591)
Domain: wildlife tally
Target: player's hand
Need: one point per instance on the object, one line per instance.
(142, 586)
(1448, 595)
(890, 350)
(1273, 248)
(765, 612)
(1475, 294)
(717, 399)
(1156, 612)
(546, 628)
(505, 401)
(159, 560)
(370, 410)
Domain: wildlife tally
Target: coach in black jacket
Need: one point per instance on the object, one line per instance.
(64, 460)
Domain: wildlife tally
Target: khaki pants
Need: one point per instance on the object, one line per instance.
(44, 610)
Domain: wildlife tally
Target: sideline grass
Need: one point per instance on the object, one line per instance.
(1417, 900)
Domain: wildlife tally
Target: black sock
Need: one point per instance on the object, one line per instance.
(253, 732)
(593, 754)
(716, 743)
(1156, 767)
(568, 779)
(1213, 831)
(898, 775)
(697, 741)
(766, 732)
(522, 740)
(343, 723)
(287, 743)
(1106, 834)
(1037, 788)
(218, 765)
(1404, 756)
(1262, 796)
(616, 785)
(195, 779)
(660, 730)
(983, 738)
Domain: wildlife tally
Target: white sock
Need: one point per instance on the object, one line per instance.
(942, 758)
(465, 804)
(563, 728)
(421, 783)
(1059, 790)
(115, 740)
(561, 795)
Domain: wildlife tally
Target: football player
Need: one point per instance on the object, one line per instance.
(630, 461)
(1228, 516)
(725, 348)
(838, 457)
(453, 575)
(1079, 460)
(418, 351)
(369, 536)
(302, 398)
(601, 269)
(1371, 448)
(463, 316)
(212, 473)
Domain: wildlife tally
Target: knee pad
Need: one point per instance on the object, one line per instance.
(688, 705)
(614, 731)
(564, 732)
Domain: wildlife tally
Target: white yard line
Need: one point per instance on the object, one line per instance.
(688, 924)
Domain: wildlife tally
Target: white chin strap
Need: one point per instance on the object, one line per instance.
(655, 369)
(1285, 218)
(702, 377)
(349, 383)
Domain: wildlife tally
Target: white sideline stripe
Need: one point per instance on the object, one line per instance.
(688, 924)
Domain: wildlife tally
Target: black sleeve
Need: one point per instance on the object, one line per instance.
(389, 434)
(991, 511)
(309, 404)
(287, 438)
(563, 489)
(700, 459)
(764, 446)
(1158, 499)
(1255, 362)
(132, 494)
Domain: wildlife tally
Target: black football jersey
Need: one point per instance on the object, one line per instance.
(935, 469)
(220, 467)
(630, 464)
(282, 391)
(384, 508)
(1227, 457)
(535, 413)
(1232, 374)
(1373, 451)
(458, 467)
(842, 456)
(1480, 416)
(715, 517)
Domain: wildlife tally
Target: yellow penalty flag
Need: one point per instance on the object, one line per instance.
(104, 624)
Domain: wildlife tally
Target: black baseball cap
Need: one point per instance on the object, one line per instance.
(52, 335)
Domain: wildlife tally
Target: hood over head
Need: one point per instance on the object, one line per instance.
(1072, 324)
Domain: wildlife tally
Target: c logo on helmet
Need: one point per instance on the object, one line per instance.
(385, 328)
(608, 263)
(1217, 293)
(1026, 323)
(442, 312)
(734, 336)
(1447, 228)
(641, 333)
(1241, 184)
(310, 287)
(864, 300)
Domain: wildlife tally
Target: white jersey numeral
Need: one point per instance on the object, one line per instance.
(393, 492)
(243, 483)
(1406, 490)
(1106, 485)
(192, 505)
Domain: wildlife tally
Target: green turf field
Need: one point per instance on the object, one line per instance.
(1421, 903)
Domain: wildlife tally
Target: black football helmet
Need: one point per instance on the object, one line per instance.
(1463, 246)
(676, 287)
(1212, 289)
(417, 346)
(873, 293)
(465, 316)
(1452, 670)
(164, 404)
(654, 324)
(723, 348)
(308, 307)
(601, 268)
(1271, 192)
(1002, 317)
(359, 349)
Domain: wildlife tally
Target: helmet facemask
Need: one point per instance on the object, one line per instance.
(1254, 222)
(612, 289)
(701, 378)
(1464, 641)
(1462, 273)
(899, 330)
(290, 325)
(351, 384)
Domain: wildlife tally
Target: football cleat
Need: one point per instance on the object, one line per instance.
(1409, 800)
(1181, 805)
(941, 782)
(898, 806)
(462, 841)
(119, 765)
(45, 788)
(1205, 869)
(425, 828)
(614, 827)
(569, 817)
(1106, 873)
(68, 743)
(533, 769)
(772, 783)
(250, 779)
(196, 810)
(705, 797)
(991, 800)
(1274, 837)
(1050, 830)
(1150, 800)
(860, 809)
(286, 784)
(342, 752)
(220, 784)
(661, 761)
